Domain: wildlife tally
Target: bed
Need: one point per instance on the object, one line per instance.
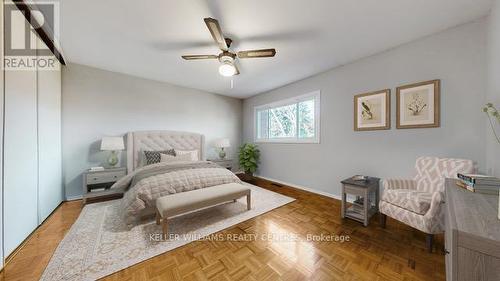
(144, 184)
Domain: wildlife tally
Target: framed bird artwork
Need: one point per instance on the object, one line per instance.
(372, 111)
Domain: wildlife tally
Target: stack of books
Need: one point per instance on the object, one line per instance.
(479, 183)
(358, 205)
(94, 169)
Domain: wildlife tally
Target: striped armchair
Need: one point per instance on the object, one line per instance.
(417, 202)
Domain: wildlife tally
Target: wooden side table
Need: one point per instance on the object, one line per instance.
(367, 198)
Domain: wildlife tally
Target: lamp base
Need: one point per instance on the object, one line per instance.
(222, 154)
(113, 159)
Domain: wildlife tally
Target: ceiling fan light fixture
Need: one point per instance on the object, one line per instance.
(227, 69)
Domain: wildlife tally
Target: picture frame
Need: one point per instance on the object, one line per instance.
(418, 105)
(372, 111)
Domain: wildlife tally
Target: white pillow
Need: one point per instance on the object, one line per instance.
(193, 154)
(171, 158)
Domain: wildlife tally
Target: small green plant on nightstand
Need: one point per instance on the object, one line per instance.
(249, 158)
(492, 112)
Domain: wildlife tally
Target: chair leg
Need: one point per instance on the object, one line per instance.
(383, 220)
(429, 241)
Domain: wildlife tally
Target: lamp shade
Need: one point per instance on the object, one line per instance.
(112, 143)
(221, 143)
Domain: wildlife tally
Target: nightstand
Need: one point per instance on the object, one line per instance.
(226, 163)
(96, 185)
(367, 197)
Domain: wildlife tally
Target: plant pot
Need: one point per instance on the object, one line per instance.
(247, 176)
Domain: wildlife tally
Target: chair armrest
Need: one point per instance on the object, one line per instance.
(399, 184)
(436, 202)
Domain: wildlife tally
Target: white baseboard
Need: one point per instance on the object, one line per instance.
(327, 194)
(73, 198)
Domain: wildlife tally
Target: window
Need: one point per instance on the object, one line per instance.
(294, 120)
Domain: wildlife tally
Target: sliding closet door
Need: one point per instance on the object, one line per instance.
(20, 154)
(1, 136)
(50, 192)
(20, 157)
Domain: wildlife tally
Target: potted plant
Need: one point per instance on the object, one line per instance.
(249, 155)
(491, 111)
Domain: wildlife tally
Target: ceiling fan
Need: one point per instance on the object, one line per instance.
(227, 58)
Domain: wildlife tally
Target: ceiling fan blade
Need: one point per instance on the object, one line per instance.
(263, 53)
(237, 70)
(215, 30)
(200, 57)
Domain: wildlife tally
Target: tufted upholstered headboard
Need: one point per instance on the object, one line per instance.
(160, 140)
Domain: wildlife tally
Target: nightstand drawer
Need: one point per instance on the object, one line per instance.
(95, 178)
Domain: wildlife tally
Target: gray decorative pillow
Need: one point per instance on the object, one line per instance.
(153, 157)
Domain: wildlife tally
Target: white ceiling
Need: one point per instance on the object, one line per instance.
(147, 38)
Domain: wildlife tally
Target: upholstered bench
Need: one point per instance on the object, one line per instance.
(184, 202)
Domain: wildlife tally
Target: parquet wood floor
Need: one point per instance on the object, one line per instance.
(373, 253)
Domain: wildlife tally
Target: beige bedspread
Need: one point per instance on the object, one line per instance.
(146, 184)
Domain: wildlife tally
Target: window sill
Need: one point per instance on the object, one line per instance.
(282, 141)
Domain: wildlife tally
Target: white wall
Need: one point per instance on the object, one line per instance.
(493, 147)
(456, 56)
(98, 103)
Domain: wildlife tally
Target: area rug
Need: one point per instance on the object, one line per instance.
(99, 243)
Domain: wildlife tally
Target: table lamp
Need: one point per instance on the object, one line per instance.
(112, 144)
(222, 143)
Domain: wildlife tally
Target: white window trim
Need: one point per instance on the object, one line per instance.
(297, 99)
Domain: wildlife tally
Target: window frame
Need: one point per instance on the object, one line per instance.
(316, 95)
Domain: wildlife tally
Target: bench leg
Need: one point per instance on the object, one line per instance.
(158, 218)
(164, 226)
(249, 202)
